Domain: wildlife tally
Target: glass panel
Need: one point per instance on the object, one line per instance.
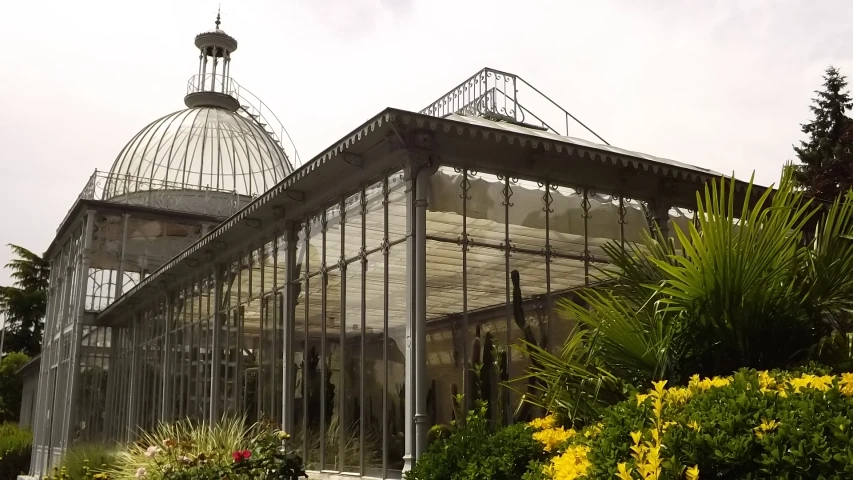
(396, 207)
(680, 219)
(298, 348)
(251, 334)
(353, 366)
(331, 346)
(395, 356)
(150, 243)
(313, 357)
(567, 222)
(332, 361)
(528, 293)
(375, 219)
(444, 211)
(446, 342)
(104, 261)
(635, 222)
(487, 324)
(374, 369)
(527, 215)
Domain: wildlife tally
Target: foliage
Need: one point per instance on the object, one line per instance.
(215, 443)
(189, 451)
(352, 445)
(826, 168)
(84, 472)
(477, 450)
(88, 459)
(748, 426)
(25, 302)
(11, 386)
(15, 448)
(749, 287)
(269, 459)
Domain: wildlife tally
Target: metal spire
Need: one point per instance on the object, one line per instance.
(218, 10)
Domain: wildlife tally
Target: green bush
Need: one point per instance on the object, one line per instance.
(11, 386)
(477, 450)
(88, 457)
(753, 425)
(15, 448)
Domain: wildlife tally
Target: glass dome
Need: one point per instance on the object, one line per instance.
(202, 148)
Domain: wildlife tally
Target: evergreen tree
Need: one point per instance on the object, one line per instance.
(25, 303)
(825, 169)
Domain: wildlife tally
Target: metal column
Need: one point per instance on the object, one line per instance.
(289, 333)
(134, 387)
(216, 347)
(419, 343)
(122, 263)
(77, 329)
(166, 391)
(409, 432)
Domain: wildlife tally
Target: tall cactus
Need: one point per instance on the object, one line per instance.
(486, 372)
(523, 411)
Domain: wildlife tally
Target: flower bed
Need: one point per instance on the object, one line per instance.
(191, 451)
(748, 426)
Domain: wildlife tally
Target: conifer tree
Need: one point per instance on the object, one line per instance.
(825, 156)
(25, 302)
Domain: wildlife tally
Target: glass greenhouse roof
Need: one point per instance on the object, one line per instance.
(199, 149)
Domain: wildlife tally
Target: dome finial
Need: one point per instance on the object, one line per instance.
(218, 10)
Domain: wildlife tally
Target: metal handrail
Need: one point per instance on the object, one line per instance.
(102, 186)
(471, 96)
(256, 104)
(568, 115)
(250, 105)
(199, 83)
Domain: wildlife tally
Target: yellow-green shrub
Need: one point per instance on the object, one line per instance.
(749, 426)
(15, 448)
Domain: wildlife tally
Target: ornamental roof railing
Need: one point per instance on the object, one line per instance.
(506, 97)
(160, 194)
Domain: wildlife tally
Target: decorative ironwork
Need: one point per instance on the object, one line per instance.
(547, 199)
(363, 203)
(648, 212)
(163, 194)
(386, 190)
(324, 222)
(623, 212)
(548, 252)
(586, 204)
(506, 191)
(464, 240)
(465, 184)
(496, 95)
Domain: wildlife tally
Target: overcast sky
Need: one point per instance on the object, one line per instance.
(719, 84)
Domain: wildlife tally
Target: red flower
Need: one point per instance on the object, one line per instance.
(240, 455)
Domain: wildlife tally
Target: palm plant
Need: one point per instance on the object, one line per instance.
(750, 286)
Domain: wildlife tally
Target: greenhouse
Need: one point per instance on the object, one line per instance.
(211, 273)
